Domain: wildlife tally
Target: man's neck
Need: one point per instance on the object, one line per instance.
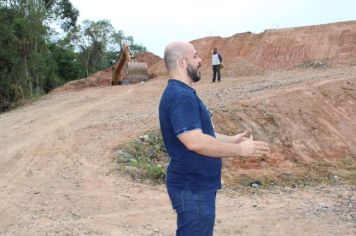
(183, 77)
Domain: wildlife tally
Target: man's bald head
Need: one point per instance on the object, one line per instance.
(174, 51)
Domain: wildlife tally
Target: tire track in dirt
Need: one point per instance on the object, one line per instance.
(58, 178)
(46, 130)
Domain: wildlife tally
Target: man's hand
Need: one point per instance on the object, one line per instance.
(251, 148)
(241, 137)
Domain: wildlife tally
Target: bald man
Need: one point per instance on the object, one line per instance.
(195, 150)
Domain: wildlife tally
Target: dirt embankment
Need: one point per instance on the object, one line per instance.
(98, 79)
(246, 54)
(250, 54)
(57, 157)
(57, 154)
(285, 48)
(103, 78)
(307, 127)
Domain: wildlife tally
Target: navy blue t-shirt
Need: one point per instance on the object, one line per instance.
(181, 110)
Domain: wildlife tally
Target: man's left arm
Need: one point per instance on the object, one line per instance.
(220, 58)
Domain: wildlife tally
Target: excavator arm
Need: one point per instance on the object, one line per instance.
(124, 57)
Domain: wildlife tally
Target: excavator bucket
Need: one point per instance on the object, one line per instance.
(136, 72)
(125, 71)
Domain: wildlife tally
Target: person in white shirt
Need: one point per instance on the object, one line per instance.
(216, 61)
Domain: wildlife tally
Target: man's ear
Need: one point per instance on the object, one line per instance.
(181, 62)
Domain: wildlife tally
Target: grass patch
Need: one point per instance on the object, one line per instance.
(321, 173)
(346, 169)
(269, 118)
(313, 65)
(144, 159)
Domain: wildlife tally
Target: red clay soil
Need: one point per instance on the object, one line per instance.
(150, 59)
(103, 78)
(285, 48)
(147, 57)
(246, 54)
(249, 54)
(58, 154)
(98, 79)
(58, 157)
(294, 88)
(306, 126)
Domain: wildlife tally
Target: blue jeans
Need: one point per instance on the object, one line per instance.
(195, 211)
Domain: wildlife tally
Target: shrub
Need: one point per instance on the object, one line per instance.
(144, 159)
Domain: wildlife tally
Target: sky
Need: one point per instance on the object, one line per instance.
(156, 23)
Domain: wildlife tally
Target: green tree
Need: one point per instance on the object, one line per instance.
(118, 39)
(35, 59)
(68, 66)
(99, 44)
(92, 40)
(27, 65)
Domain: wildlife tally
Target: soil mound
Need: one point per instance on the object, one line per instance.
(98, 79)
(58, 171)
(333, 44)
(246, 54)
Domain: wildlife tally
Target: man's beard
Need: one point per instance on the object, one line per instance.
(193, 74)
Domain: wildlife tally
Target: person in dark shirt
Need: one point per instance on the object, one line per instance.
(216, 61)
(194, 148)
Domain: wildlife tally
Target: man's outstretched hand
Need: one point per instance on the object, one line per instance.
(241, 137)
(249, 147)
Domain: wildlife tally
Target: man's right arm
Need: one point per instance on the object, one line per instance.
(206, 145)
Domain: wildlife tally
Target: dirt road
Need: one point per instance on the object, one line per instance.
(57, 161)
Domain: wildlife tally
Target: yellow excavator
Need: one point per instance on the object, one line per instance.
(127, 71)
